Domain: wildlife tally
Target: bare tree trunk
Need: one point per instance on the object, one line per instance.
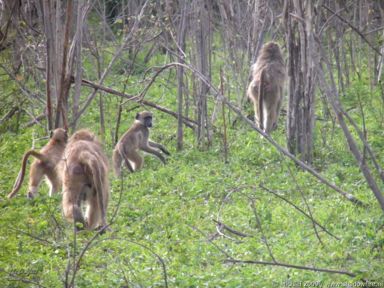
(301, 96)
(180, 71)
(48, 44)
(79, 66)
(202, 31)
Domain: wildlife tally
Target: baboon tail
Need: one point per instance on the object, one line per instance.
(20, 176)
(92, 163)
(261, 99)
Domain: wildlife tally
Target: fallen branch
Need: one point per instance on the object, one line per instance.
(138, 98)
(231, 230)
(353, 28)
(35, 120)
(289, 266)
(298, 209)
(9, 114)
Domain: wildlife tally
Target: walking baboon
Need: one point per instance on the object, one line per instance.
(136, 138)
(266, 87)
(85, 178)
(44, 165)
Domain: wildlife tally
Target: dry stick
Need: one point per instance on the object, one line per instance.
(366, 145)
(23, 280)
(296, 207)
(231, 230)
(353, 28)
(306, 203)
(76, 267)
(31, 236)
(261, 228)
(146, 248)
(211, 241)
(333, 98)
(187, 121)
(9, 114)
(22, 87)
(266, 136)
(224, 123)
(290, 266)
(115, 57)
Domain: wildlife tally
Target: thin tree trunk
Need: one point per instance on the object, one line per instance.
(180, 71)
(301, 97)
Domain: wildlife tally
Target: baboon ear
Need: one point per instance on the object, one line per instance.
(137, 116)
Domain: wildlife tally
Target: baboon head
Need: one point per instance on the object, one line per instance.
(145, 118)
(271, 50)
(83, 135)
(59, 135)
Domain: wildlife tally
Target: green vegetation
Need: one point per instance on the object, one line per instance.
(169, 211)
(184, 224)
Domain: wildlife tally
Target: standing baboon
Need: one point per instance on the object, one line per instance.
(44, 165)
(266, 87)
(85, 178)
(136, 138)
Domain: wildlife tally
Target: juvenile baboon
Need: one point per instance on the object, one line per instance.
(85, 178)
(266, 87)
(45, 164)
(136, 138)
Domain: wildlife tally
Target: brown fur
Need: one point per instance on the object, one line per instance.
(266, 87)
(136, 138)
(85, 178)
(44, 165)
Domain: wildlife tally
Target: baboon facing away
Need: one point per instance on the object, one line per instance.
(266, 87)
(45, 164)
(136, 138)
(85, 178)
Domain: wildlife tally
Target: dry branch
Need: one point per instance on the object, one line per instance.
(353, 28)
(289, 266)
(187, 121)
(231, 230)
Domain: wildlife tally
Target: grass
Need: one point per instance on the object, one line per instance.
(170, 209)
(166, 213)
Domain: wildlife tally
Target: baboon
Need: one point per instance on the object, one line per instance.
(136, 138)
(85, 178)
(266, 87)
(45, 164)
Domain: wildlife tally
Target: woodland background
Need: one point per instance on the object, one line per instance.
(230, 209)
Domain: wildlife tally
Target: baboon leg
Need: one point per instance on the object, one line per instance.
(154, 152)
(257, 119)
(54, 183)
(136, 159)
(159, 146)
(117, 161)
(36, 174)
(93, 212)
(254, 92)
(278, 107)
(74, 190)
(270, 121)
(72, 210)
(121, 155)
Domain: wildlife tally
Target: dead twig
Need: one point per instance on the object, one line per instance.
(231, 260)
(231, 230)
